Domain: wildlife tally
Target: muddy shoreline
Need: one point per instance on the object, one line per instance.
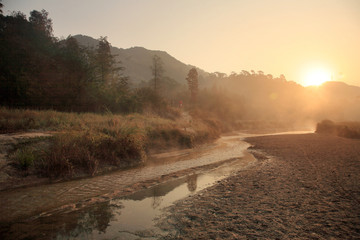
(11, 177)
(19, 204)
(304, 187)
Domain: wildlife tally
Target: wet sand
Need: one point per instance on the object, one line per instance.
(309, 188)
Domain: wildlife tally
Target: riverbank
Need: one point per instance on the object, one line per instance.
(23, 209)
(308, 189)
(48, 146)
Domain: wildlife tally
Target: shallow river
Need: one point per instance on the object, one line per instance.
(99, 208)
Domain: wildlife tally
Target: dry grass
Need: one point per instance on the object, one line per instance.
(86, 143)
(75, 153)
(15, 120)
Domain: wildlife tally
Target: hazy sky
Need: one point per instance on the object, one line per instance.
(287, 37)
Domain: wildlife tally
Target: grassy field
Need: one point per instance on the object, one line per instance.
(86, 144)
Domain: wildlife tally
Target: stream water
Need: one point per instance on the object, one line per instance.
(91, 209)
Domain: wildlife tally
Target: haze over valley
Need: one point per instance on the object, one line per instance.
(182, 119)
(278, 99)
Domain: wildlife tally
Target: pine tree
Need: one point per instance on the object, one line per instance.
(157, 71)
(192, 79)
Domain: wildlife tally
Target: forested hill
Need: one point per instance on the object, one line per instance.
(38, 70)
(137, 62)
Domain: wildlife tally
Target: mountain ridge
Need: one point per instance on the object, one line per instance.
(137, 61)
(265, 97)
(137, 57)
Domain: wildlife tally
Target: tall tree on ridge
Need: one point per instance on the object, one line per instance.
(104, 60)
(157, 71)
(41, 22)
(109, 72)
(192, 79)
(1, 6)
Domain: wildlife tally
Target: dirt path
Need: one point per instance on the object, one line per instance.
(309, 190)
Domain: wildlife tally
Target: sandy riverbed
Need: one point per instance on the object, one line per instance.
(309, 189)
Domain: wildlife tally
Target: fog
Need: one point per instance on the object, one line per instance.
(265, 98)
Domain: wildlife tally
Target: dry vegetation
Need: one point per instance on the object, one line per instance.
(341, 129)
(88, 144)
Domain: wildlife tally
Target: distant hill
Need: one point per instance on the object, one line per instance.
(137, 62)
(267, 98)
(261, 96)
(342, 99)
(341, 90)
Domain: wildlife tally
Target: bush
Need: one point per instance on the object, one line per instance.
(24, 158)
(326, 126)
(163, 138)
(342, 129)
(76, 153)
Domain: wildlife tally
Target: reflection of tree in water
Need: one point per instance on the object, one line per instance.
(192, 182)
(99, 217)
(86, 221)
(157, 199)
(78, 224)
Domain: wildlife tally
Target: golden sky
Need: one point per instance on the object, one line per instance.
(289, 37)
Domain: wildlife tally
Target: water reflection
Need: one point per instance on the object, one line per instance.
(156, 191)
(122, 218)
(82, 224)
(65, 225)
(192, 182)
(130, 217)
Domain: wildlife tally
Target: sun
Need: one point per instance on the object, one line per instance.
(316, 77)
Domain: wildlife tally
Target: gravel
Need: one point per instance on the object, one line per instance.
(303, 187)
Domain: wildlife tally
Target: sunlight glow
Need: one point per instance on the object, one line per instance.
(316, 77)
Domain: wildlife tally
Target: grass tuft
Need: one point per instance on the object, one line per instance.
(24, 158)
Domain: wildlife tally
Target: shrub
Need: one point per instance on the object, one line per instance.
(74, 153)
(24, 157)
(163, 138)
(326, 126)
(341, 129)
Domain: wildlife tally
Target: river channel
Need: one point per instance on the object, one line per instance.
(107, 207)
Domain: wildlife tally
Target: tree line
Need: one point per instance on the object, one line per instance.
(40, 71)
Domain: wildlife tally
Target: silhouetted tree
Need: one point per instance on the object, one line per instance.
(245, 73)
(269, 76)
(192, 80)
(282, 77)
(40, 71)
(104, 61)
(157, 71)
(75, 74)
(14, 59)
(1, 6)
(220, 74)
(26, 53)
(41, 22)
